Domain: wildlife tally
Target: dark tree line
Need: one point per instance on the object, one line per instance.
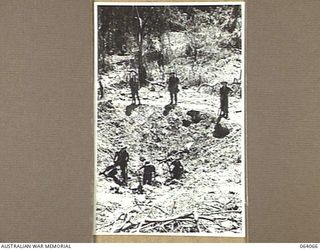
(117, 25)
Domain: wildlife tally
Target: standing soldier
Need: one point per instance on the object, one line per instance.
(121, 159)
(140, 187)
(224, 92)
(160, 60)
(148, 172)
(101, 90)
(173, 87)
(134, 86)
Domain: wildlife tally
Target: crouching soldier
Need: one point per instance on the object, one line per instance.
(149, 172)
(111, 171)
(121, 159)
(177, 170)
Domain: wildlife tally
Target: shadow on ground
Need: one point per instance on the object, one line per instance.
(167, 109)
(130, 108)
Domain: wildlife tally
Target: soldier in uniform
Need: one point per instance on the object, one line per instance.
(111, 171)
(134, 87)
(224, 103)
(148, 173)
(160, 60)
(173, 87)
(101, 90)
(121, 159)
(177, 169)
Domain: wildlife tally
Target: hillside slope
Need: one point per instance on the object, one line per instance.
(209, 197)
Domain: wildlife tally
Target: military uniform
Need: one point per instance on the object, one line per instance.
(148, 171)
(224, 102)
(173, 88)
(134, 87)
(160, 60)
(177, 170)
(121, 159)
(101, 90)
(110, 171)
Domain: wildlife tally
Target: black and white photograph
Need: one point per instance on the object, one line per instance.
(170, 118)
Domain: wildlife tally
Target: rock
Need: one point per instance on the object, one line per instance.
(195, 116)
(229, 225)
(239, 159)
(234, 208)
(193, 113)
(188, 145)
(186, 123)
(109, 104)
(214, 228)
(141, 158)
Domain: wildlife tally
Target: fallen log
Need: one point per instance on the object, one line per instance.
(169, 219)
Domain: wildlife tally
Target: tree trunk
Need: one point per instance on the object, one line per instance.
(140, 43)
(140, 46)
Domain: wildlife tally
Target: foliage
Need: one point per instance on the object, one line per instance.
(119, 28)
